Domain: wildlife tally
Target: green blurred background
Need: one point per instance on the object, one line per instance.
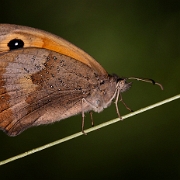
(129, 38)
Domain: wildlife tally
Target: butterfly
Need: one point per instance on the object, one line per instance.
(44, 79)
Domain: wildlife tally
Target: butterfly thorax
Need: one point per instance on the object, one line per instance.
(106, 91)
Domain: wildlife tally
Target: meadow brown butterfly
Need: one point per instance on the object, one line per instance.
(44, 78)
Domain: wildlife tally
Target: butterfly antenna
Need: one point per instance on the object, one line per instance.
(147, 80)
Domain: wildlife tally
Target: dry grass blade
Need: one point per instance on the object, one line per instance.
(88, 130)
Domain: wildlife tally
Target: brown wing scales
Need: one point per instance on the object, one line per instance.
(40, 88)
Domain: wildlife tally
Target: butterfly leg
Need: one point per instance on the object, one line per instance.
(93, 107)
(82, 125)
(116, 103)
(92, 121)
(125, 103)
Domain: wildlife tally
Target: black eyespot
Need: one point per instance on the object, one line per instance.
(15, 44)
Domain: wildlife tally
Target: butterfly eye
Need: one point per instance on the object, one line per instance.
(15, 44)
